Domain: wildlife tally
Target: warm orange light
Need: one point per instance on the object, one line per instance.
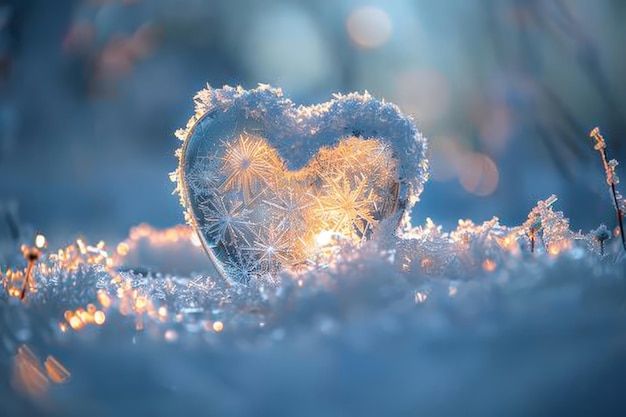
(56, 371)
(170, 335)
(14, 292)
(84, 316)
(125, 307)
(162, 312)
(81, 246)
(140, 304)
(171, 235)
(73, 256)
(103, 298)
(478, 174)
(75, 323)
(160, 237)
(489, 265)
(99, 317)
(28, 376)
(122, 249)
(324, 238)
(40, 241)
(218, 326)
(68, 315)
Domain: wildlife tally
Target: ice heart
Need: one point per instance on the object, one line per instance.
(265, 183)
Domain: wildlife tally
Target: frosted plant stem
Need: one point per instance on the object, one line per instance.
(31, 255)
(29, 271)
(620, 216)
(611, 178)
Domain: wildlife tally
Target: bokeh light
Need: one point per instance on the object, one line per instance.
(369, 27)
(478, 174)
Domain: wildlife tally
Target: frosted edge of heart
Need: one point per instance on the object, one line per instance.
(268, 104)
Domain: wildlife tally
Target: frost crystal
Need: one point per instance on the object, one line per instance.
(265, 183)
(556, 234)
(597, 238)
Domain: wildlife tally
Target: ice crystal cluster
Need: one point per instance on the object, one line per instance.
(268, 185)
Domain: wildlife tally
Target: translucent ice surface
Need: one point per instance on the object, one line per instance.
(270, 186)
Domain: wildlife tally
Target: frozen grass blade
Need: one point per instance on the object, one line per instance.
(612, 179)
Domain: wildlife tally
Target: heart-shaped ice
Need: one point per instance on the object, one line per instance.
(265, 183)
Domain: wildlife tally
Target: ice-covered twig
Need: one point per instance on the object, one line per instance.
(556, 234)
(612, 179)
(31, 255)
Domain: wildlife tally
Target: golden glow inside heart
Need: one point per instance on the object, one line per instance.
(257, 218)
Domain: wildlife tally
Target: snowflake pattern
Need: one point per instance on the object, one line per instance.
(227, 220)
(258, 218)
(345, 208)
(204, 177)
(247, 162)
